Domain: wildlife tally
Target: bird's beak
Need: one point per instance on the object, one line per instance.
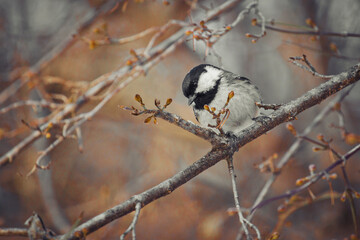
(191, 100)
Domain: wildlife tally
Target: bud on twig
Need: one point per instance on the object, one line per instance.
(291, 128)
(148, 119)
(139, 99)
(168, 102)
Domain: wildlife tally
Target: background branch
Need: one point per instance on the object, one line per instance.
(296, 145)
(155, 55)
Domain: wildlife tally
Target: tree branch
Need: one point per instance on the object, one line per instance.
(221, 151)
(314, 33)
(158, 191)
(21, 232)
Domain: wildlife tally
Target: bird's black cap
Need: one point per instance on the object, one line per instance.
(191, 79)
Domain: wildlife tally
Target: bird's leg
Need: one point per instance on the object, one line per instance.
(262, 119)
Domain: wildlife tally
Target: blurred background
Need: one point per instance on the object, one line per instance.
(122, 156)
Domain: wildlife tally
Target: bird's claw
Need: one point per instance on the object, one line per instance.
(230, 135)
(263, 119)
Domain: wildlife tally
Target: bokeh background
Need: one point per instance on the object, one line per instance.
(122, 156)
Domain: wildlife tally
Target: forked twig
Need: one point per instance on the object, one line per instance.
(307, 66)
(133, 223)
(244, 222)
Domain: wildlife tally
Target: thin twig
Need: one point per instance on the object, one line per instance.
(161, 31)
(158, 30)
(133, 223)
(220, 9)
(133, 37)
(21, 232)
(38, 164)
(308, 66)
(321, 51)
(237, 203)
(31, 103)
(79, 139)
(252, 6)
(315, 33)
(314, 179)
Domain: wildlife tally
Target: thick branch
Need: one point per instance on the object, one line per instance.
(290, 110)
(221, 151)
(161, 190)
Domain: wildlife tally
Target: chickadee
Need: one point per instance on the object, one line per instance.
(209, 85)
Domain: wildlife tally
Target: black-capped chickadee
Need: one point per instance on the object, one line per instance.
(209, 85)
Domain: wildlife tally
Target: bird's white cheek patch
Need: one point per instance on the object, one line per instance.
(207, 80)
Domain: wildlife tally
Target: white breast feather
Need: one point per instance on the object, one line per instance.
(242, 108)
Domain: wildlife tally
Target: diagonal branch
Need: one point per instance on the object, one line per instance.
(220, 151)
(290, 110)
(158, 191)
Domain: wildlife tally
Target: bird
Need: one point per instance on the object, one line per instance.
(209, 85)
